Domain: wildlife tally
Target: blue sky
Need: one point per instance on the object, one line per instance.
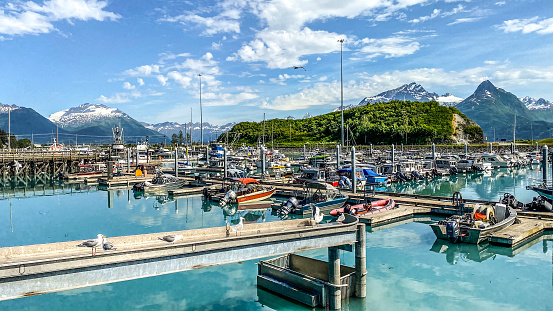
(144, 56)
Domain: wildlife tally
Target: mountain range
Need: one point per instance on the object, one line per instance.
(492, 108)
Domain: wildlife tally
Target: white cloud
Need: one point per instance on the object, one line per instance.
(465, 20)
(388, 47)
(162, 80)
(115, 99)
(142, 71)
(128, 86)
(283, 49)
(500, 3)
(439, 13)
(181, 79)
(328, 93)
(21, 18)
(281, 79)
(140, 81)
(226, 22)
(534, 24)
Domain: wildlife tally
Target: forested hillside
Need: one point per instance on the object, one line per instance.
(380, 123)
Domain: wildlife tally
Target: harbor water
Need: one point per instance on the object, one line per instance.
(408, 269)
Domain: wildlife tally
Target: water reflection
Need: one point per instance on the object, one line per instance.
(476, 185)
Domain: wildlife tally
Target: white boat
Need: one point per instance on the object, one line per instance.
(495, 160)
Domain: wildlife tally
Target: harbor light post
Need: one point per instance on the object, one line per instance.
(341, 91)
(201, 115)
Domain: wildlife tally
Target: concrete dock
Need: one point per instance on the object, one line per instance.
(36, 269)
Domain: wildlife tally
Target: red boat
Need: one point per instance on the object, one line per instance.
(245, 190)
(365, 208)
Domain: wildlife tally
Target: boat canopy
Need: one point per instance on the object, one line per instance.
(370, 173)
(246, 181)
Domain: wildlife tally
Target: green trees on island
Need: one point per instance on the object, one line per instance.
(14, 143)
(379, 123)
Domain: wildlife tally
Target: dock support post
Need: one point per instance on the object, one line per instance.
(338, 156)
(433, 155)
(128, 160)
(176, 162)
(544, 163)
(206, 156)
(537, 147)
(512, 148)
(371, 151)
(466, 150)
(353, 172)
(304, 156)
(361, 262)
(110, 170)
(263, 164)
(137, 156)
(335, 295)
(225, 164)
(393, 159)
(491, 149)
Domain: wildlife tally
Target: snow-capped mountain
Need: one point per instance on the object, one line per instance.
(413, 92)
(210, 132)
(289, 118)
(537, 104)
(84, 114)
(449, 100)
(307, 116)
(5, 108)
(169, 128)
(345, 108)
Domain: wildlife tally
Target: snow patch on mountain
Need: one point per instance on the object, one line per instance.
(5, 108)
(86, 113)
(537, 104)
(307, 116)
(449, 100)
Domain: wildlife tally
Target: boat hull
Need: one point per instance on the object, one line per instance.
(326, 206)
(475, 235)
(362, 210)
(255, 196)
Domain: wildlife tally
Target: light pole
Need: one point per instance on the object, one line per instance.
(341, 92)
(201, 116)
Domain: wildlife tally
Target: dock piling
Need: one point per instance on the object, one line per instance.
(393, 159)
(491, 149)
(176, 162)
(433, 155)
(466, 150)
(338, 156)
(335, 295)
(544, 163)
(353, 172)
(225, 163)
(361, 262)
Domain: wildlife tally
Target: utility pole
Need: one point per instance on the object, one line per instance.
(201, 115)
(341, 91)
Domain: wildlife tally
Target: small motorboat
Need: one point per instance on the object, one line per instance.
(367, 208)
(320, 194)
(241, 190)
(160, 183)
(476, 226)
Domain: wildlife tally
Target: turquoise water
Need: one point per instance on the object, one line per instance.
(407, 268)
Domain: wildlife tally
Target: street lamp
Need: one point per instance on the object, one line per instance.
(201, 116)
(341, 92)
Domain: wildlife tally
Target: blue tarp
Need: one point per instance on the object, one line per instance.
(370, 173)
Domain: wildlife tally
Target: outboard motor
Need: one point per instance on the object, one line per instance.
(288, 206)
(345, 182)
(453, 231)
(400, 176)
(229, 196)
(453, 171)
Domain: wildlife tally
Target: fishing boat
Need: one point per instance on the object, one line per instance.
(314, 175)
(319, 194)
(476, 226)
(160, 183)
(367, 208)
(545, 192)
(373, 177)
(243, 190)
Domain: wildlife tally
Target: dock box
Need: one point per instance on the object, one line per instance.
(303, 279)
